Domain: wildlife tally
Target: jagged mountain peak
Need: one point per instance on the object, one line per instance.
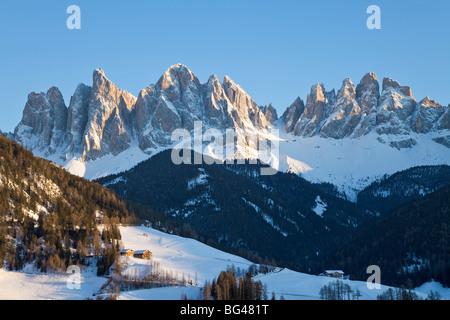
(227, 81)
(368, 92)
(99, 72)
(102, 83)
(45, 116)
(102, 119)
(347, 89)
(54, 92)
(177, 74)
(212, 79)
(270, 113)
(427, 102)
(292, 114)
(317, 92)
(368, 78)
(368, 84)
(395, 85)
(354, 112)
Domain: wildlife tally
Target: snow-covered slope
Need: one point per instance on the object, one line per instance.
(182, 256)
(198, 260)
(105, 165)
(350, 164)
(30, 285)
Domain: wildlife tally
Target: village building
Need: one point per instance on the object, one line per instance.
(126, 252)
(334, 274)
(143, 254)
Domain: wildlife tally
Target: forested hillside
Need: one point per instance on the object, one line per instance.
(410, 244)
(49, 218)
(294, 223)
(404, 186)
(282, 217)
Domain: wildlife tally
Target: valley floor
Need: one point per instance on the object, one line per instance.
(41, 286)
(184, 257)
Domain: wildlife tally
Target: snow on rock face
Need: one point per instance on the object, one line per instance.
(317, 109)
(179, 99)
(427, 116)
(107, 130)
(368, 92)
(352, 164)
(270, 112)
(357, 112)
(292, 114)
(396, 104)
(97, 121)
(346, 113)
(44, 121)
(103, 119)
(320, 207)
(175, 102)
(77, 117)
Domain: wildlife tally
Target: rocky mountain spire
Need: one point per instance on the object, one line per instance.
(368, 93)
(317, 109)
(367, 96)
(102, 119)
(395, 105)
(428, 115)
(77, 118)
(270, 113)
(178, 99)
(45, 116)
(356, 112)
(244, 111)
(292, 114)
(175, 101)
(346, 113)
(107, 131)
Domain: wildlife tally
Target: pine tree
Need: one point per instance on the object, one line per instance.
(207, 292)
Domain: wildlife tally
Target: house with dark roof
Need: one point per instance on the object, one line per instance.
(143, 254)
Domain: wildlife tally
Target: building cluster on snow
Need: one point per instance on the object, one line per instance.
(143, 254)
(334, 274)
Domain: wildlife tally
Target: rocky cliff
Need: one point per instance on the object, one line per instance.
(102, 119)
(354, 112)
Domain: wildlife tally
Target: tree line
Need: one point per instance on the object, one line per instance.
(406, 294)
(338, 290)
(228, 286)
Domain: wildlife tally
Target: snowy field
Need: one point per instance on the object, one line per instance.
(182, 256)
(40, 286)
(350, 164)
(191, 257)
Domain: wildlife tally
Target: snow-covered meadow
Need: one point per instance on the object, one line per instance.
(184, 257)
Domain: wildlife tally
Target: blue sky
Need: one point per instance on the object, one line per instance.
(274, 49)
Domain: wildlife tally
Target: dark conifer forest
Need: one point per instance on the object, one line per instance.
(410, 244)
(49, 218)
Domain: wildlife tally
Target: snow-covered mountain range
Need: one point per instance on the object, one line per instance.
(348, 138)
(103, 119)
(354, 112)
